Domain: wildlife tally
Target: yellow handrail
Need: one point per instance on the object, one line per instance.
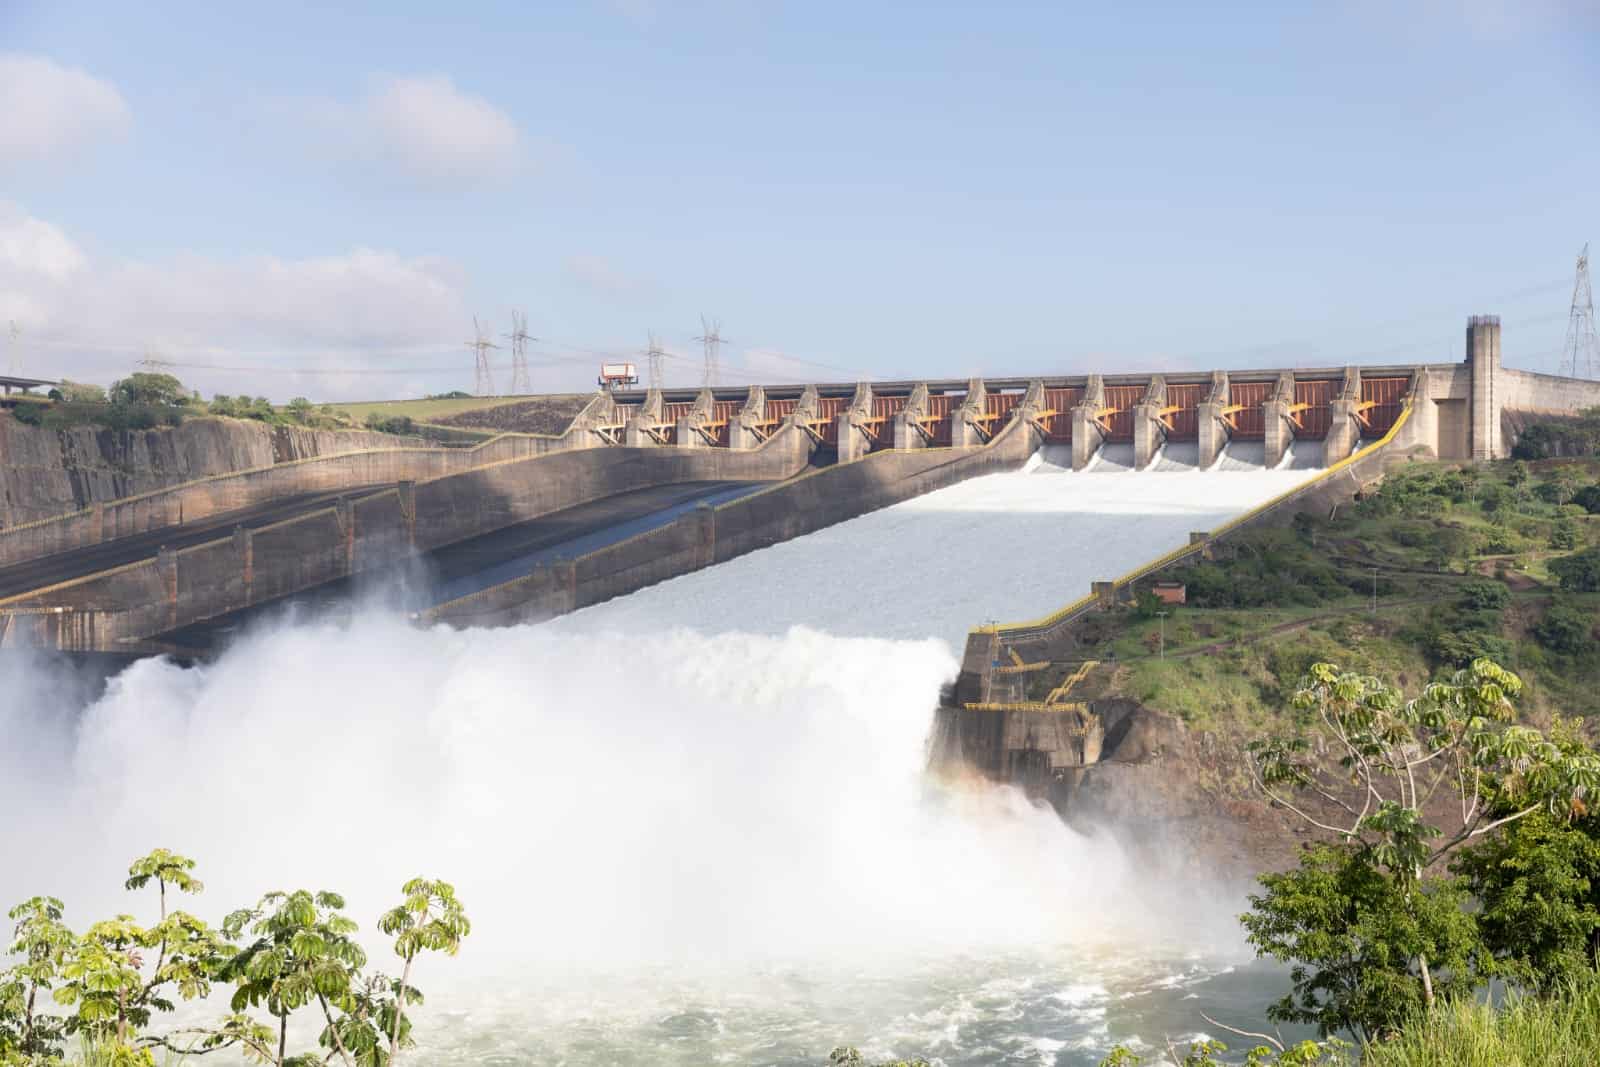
(1232, 524)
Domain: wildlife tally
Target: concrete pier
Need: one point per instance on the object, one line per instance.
(1279, 430)
(1087, 432)
(1483, 356)
(1149, 432)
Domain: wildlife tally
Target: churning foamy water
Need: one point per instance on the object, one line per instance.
(690, 833)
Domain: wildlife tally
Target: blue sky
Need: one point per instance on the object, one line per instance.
(324, 200)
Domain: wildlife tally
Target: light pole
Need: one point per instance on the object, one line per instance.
(1161, 615)
(1374, 590)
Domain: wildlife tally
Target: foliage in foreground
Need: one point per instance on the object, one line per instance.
(1204, 1053)
(292, 951)
(1558, 1031)
(845, 1056)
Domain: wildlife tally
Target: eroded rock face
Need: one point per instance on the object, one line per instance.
(1182, 801)
(46, 472)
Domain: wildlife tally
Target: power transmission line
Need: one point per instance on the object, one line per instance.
(656, 356)
(1580, 357)
(152, 361)
(480, 344)
(711, 337)
(520, 383)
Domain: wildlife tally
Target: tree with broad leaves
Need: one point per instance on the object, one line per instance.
(112, 993)
(430, 919)
(302, 954)
(1391, 757)
(40, 942)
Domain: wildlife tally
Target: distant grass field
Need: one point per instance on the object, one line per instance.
(425, 410)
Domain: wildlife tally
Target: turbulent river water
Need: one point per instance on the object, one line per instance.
(691, 826)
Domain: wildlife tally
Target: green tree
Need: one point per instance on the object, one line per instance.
(299, 408)
(1484, 596)
(1449, 545)
(112, 993)
(429, 919)
(1361, 940)
(1588, 498)
(159, 390)
(1539, 884)
(1390, 756)
(82, 393)
(1564, 534)
(303, 953)
(1579, 572)
(1566, 627)
(40, 943)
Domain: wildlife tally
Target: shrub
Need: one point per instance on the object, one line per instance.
(28, 414)
(1579, 572)
(1411, 534)
(80, 393)
(1565, 628)
(396, 424)
(1500, 541)
(1588, 498)
(1484, 596)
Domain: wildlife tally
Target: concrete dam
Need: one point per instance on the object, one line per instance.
(646, 487)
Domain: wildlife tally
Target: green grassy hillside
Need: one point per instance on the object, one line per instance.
(1466, 562)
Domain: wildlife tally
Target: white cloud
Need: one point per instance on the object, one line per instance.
(425, 129)
(365, 310)
(50, 111)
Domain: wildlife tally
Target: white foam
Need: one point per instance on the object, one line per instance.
(1006, 547)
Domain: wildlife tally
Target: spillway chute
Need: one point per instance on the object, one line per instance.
(1302, 456)
(1111, 459)
(1241, 456)
(1176, 457)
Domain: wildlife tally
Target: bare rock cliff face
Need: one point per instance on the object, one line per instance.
(44, 473)
(1182, 799)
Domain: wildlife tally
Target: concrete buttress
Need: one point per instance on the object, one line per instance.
(637, 433)
(965, 427)
(1279, 431)
(1149, 432)
(1087, 432)
(742, 428)
(1212, 429)
(1344, 429)
(906, 427)
(852, 433)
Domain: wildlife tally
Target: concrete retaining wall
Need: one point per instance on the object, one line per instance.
(45, 473)
(204, 497)
(707, 536)
(1545, 393)
(251, 567)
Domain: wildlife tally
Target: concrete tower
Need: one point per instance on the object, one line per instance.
(1483, 356)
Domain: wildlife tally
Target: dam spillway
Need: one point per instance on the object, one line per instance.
(1003, 547)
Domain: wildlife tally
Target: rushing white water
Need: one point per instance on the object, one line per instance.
(688, 830)
(1006, 547)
